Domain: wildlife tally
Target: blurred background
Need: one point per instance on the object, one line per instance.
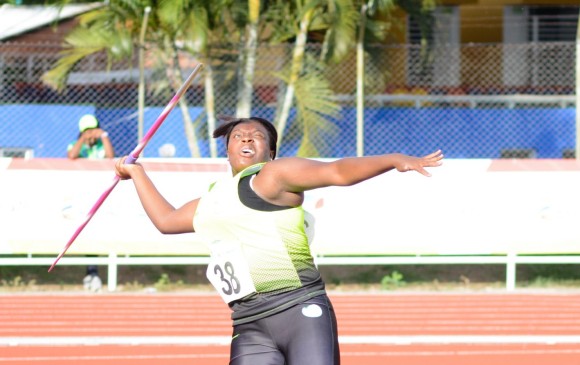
(479, 79)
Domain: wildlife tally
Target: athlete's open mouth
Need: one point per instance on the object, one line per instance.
(248, 151)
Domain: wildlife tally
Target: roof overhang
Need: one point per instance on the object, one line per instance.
(20, 19)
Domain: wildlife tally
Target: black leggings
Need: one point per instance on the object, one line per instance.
(303, 334)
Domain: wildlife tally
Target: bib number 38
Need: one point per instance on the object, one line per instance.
(228, 272)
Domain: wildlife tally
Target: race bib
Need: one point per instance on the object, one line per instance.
(229, 272)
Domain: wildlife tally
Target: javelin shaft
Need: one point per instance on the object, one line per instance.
(89, 216)
(131, 158)
(134, 155)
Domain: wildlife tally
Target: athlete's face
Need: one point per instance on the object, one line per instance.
(248, 145)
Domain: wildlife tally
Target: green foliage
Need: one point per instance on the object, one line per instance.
(165, 284)
(17, 283)
(315, 106)
(551, 282)
(340, 25)
(132, 286)
(98, 30)
(14, 283)
(393, 281)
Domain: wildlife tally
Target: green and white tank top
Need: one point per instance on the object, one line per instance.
(253, 251)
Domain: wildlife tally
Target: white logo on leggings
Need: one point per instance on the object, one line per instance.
(312, 311)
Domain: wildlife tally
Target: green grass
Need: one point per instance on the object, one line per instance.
(372, 277)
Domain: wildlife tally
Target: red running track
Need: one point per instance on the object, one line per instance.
(393, 328)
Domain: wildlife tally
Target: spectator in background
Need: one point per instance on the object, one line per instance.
(92, 142)
(92, 282)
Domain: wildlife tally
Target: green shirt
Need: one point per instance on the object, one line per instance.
(97, 151)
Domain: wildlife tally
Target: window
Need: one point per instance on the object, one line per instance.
(552, 23)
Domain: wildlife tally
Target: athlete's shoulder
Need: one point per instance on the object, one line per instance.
(287, 163)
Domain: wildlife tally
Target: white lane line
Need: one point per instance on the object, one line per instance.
(373, 354)
(225, 340)
(461, 339)
(489, 352)
(115, 340)
(112, 357)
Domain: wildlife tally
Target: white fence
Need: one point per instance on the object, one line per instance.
(471, 101)
(112, 261)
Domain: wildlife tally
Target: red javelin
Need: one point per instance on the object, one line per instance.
(132, 158)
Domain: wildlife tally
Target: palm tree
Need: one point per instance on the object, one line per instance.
(248, 59)
(295, 70)
(310, 90)
(377, 30)
(197, 42)
(422, 12)
(343, 27)
(115, 30)
(372, 30)
(178, 21)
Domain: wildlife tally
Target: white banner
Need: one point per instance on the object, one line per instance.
(44, 201)
(466, 207)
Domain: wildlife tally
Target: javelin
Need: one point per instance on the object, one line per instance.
(132, 157)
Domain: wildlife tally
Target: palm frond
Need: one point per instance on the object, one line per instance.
(85, 41)
(315, 106)
(56, 77)
(340, 37)
(196, 36)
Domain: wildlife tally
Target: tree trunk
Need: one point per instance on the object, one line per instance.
(360, 75)
(296, 68)
(244, 106)
(210, 107)
(190, 134)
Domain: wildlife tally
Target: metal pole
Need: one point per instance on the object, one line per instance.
(511, 272)
(577, 147)
(360, 75)
(112, 272)
(142, 75)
